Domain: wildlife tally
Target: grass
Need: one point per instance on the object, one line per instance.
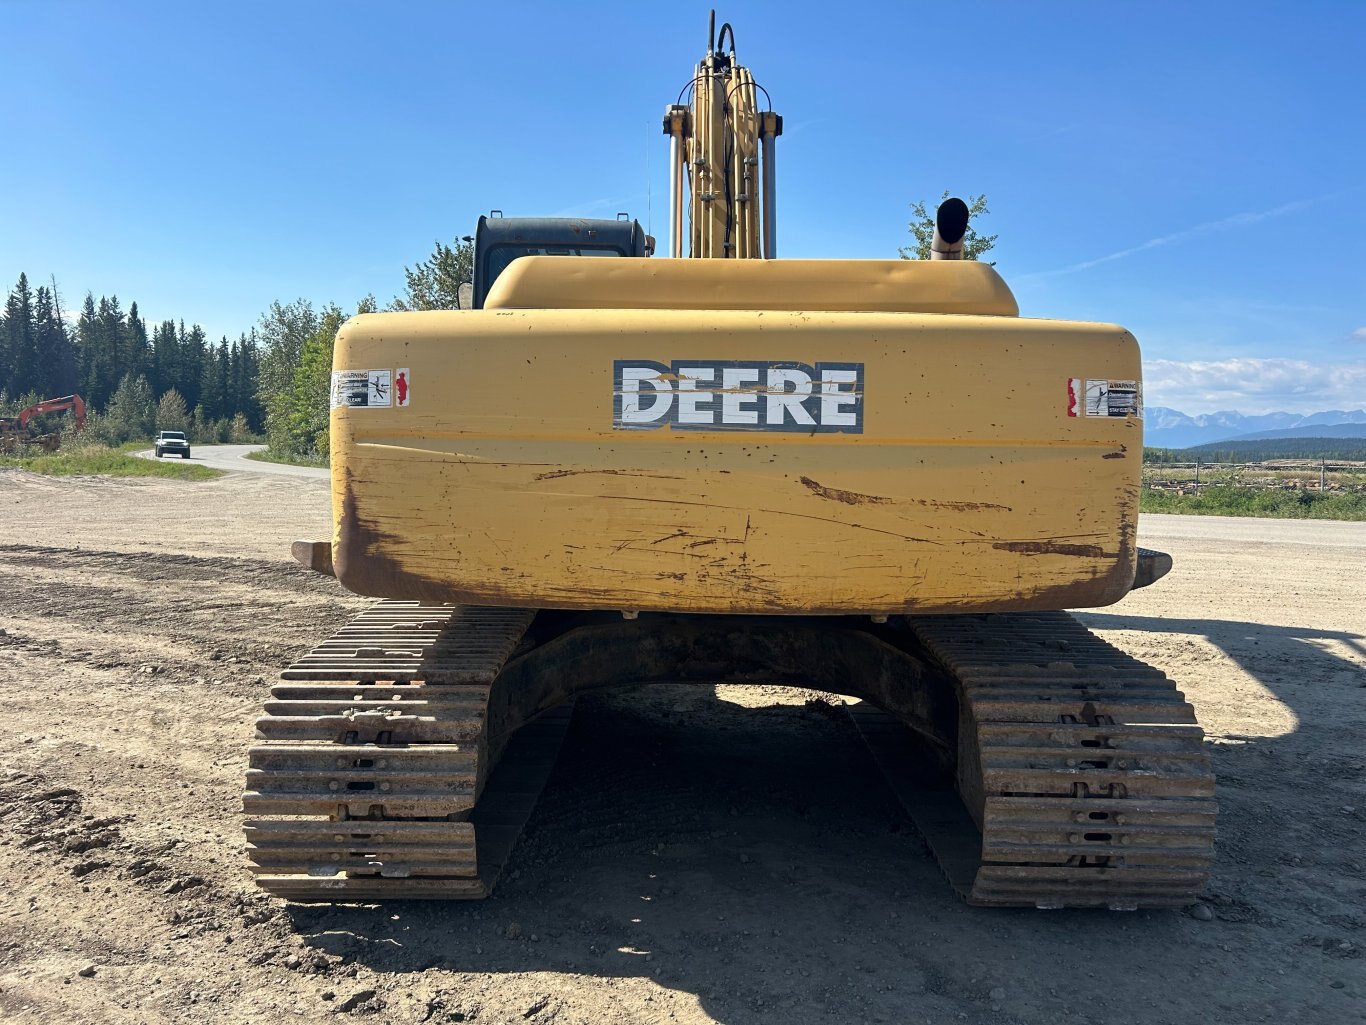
(99, 460)
(290, 458)
(1222, 500)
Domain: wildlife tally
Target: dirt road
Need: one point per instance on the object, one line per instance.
(697, 857)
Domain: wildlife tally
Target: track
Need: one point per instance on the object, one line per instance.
(374, 754)
(1081, 775)
(1090, 786)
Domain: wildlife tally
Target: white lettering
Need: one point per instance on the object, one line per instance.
(833, 397)
(689, 398)
(738, 395)
(661, 397)
(736, 402)
(782, 401)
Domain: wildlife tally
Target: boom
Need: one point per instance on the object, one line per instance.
(715, 146)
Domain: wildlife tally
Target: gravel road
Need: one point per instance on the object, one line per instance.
(1154, 529)
(234, 458)
(701, 854)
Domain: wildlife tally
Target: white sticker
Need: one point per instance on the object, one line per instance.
(1103, 397)
(403, 382)
(370, 388)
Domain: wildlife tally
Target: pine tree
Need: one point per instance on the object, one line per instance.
(67, 363)
(213, 382)
(222, 395)
(114, 337)
(137, 356)
(21, 346)
(93, 360)
(192, 347)
(6, 361)
(50, 345)
(165, 357)
(245, 380)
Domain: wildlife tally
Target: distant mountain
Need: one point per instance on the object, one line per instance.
(1347, 430)
(1242, 450)
(1170, 428)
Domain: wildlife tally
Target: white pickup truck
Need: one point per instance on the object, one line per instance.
(171, 443)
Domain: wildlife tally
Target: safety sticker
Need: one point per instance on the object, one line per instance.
(402, 383)
(370, 388)
(1103, 397)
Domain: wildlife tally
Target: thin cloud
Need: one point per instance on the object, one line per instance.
(1360, 334)
(1251, 385)
(1197, 231)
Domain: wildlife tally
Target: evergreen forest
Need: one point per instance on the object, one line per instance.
(136, 378)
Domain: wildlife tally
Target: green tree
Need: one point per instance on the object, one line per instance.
(56, 357)
(115, 335)
(21, 352)
(239, 431)
(132, 410)
(94, 362)
(213, 389)
(172, 414)
(434, 284)
(165, 356)
(283, 330)
(193, 354)
(295, 373)
(136, 355)
(243, 372)
(301, 423)
(975, 246)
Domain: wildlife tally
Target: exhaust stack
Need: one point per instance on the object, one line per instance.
(950, 225)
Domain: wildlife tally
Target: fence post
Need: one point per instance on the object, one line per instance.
(1323, 466)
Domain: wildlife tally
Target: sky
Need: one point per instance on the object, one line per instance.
(1195, 172)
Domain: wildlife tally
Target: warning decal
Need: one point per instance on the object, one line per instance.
(1103, 397)
(402, 382)
(356, 388)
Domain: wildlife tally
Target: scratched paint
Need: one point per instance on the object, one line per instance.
(968, 489)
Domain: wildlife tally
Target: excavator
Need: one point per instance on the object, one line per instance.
(17, 430)
(866, 477)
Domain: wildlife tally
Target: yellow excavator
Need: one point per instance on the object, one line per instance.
(869, 477)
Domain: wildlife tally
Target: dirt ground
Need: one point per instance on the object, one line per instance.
(700, 854)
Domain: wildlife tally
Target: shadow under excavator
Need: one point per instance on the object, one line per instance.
(755, 858)
(1282, 659)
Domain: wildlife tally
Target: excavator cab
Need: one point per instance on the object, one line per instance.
(499, 240)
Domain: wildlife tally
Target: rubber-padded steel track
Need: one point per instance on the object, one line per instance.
(373, 753)
(1082, 772)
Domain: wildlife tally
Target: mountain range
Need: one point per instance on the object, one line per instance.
(1170, 428)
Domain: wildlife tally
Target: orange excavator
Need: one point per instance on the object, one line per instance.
(15, 431)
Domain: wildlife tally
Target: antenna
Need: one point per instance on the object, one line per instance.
(649, 207)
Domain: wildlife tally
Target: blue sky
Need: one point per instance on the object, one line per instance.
(1196, 172)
